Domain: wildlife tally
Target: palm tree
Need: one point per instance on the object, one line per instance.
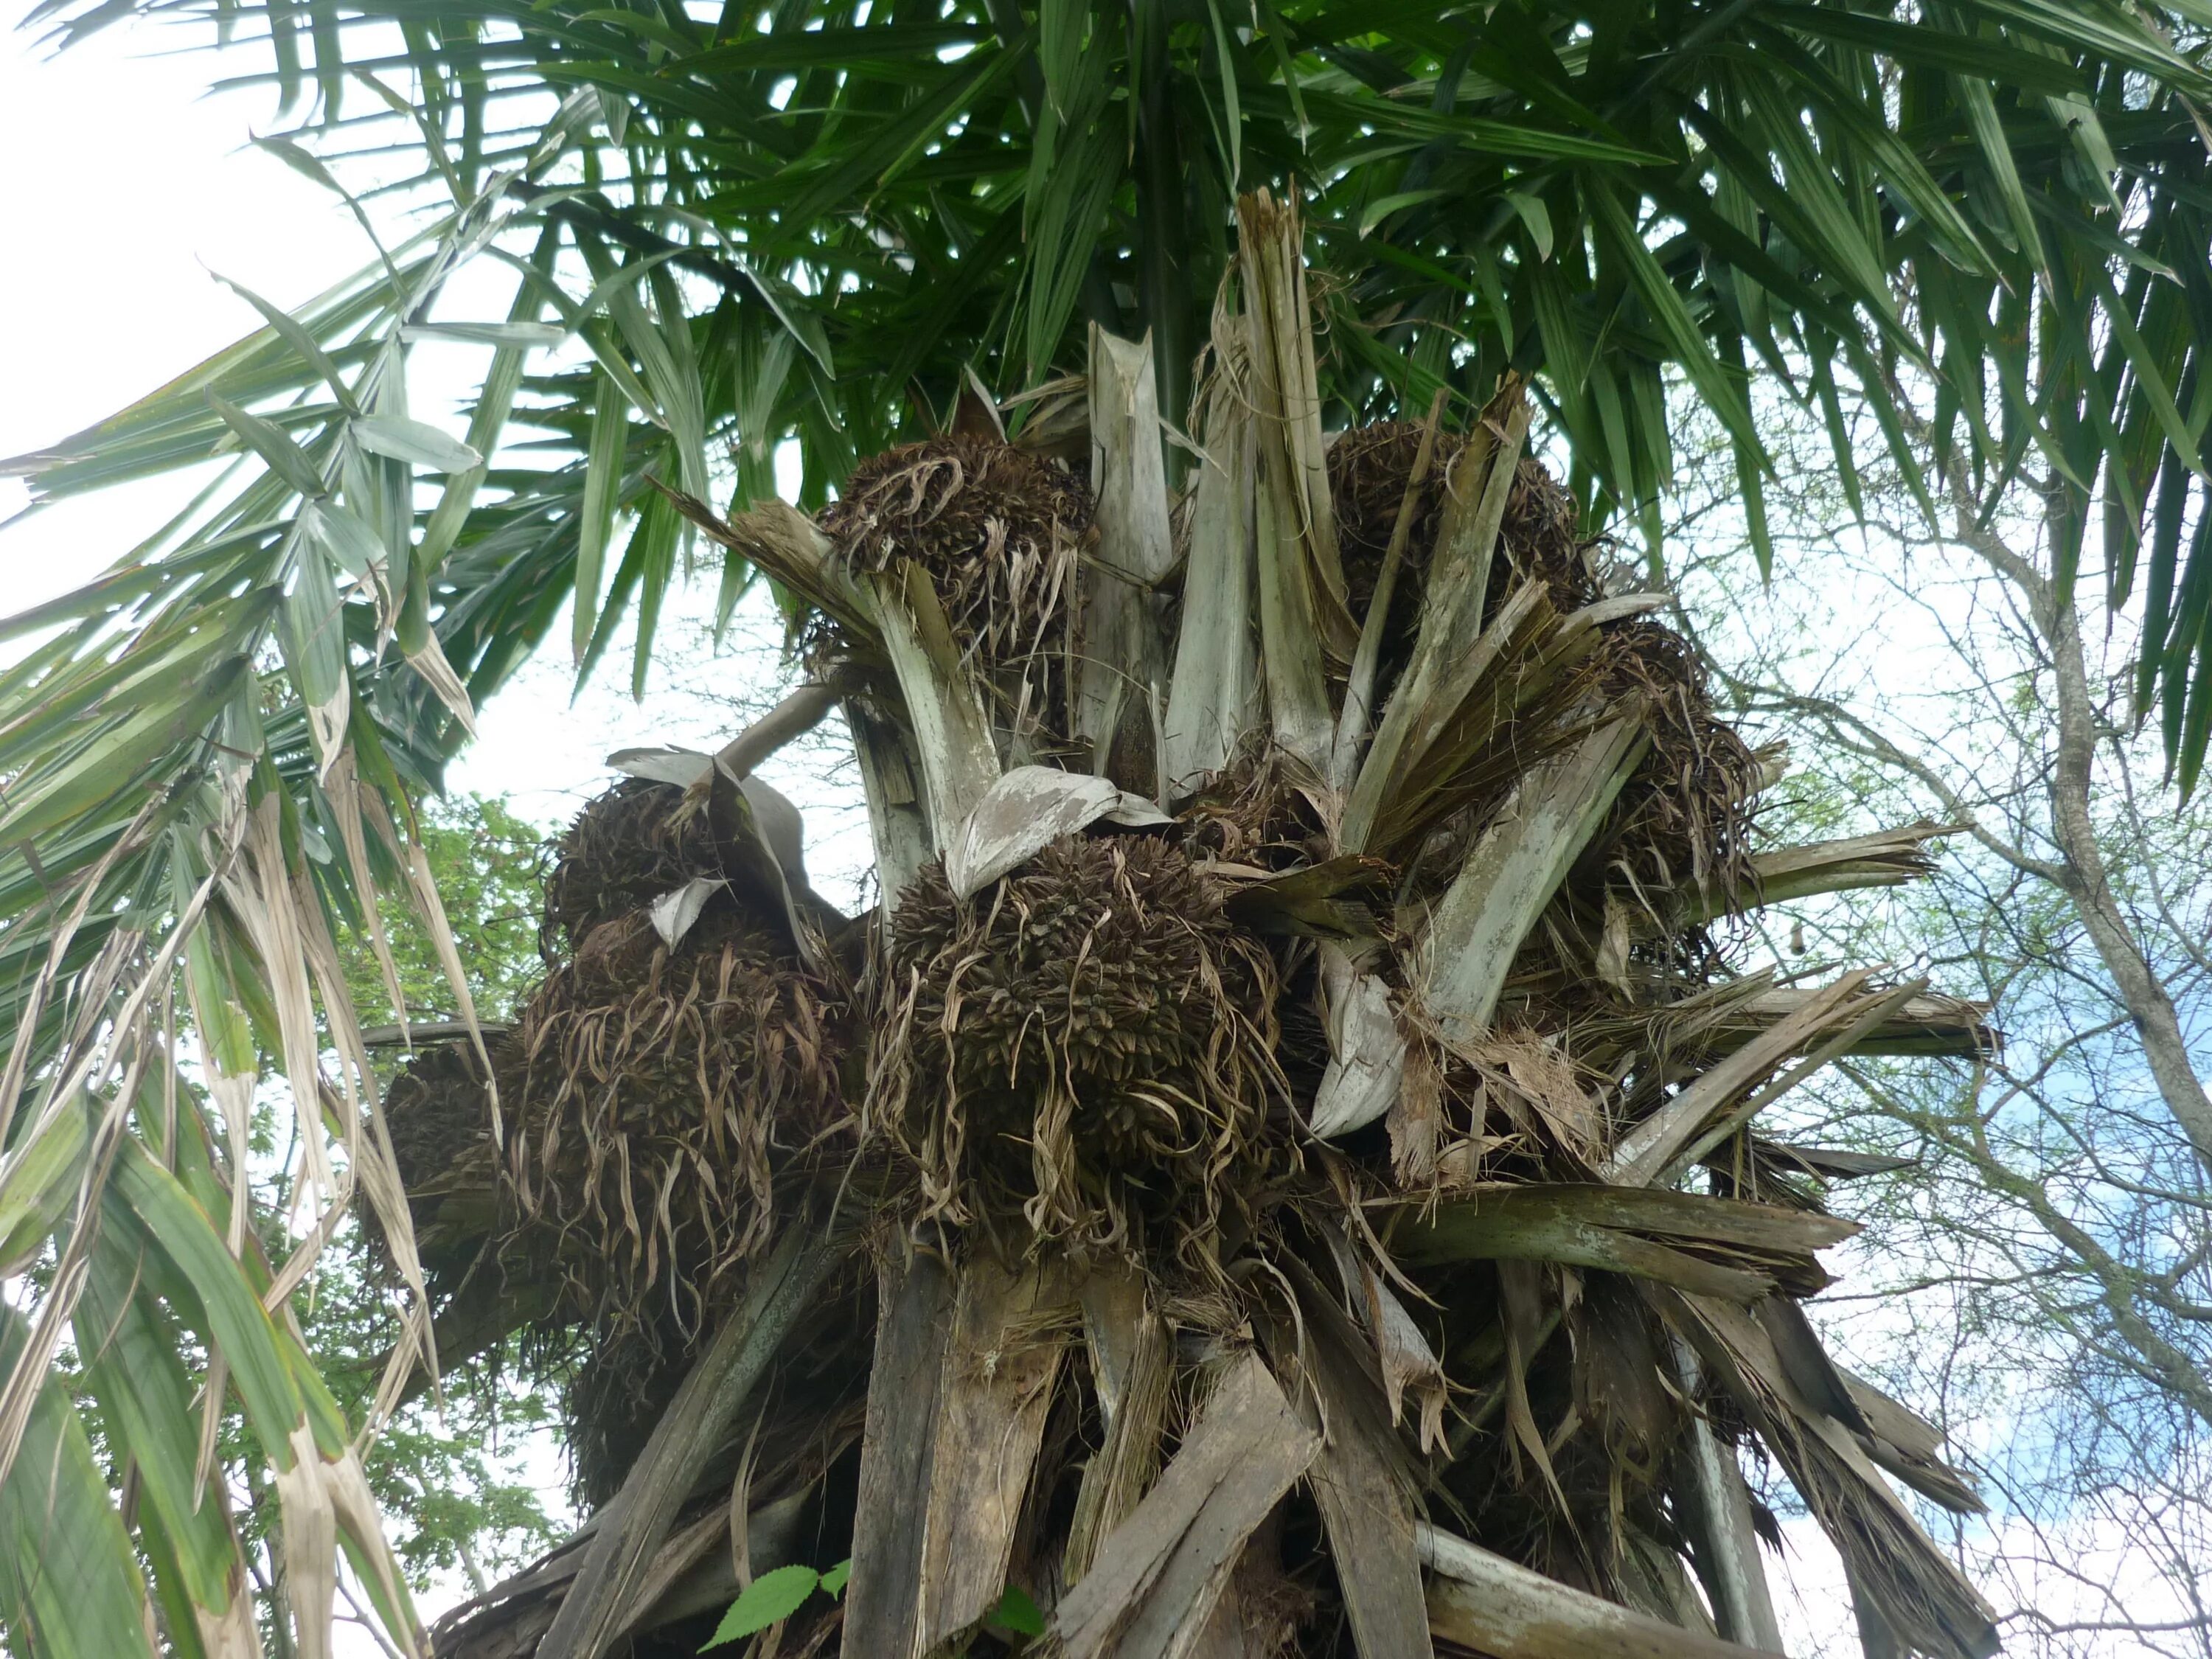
(830, 226)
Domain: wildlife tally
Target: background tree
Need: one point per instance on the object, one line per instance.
(2034, 1272)
(757, 232)
(455, 1475)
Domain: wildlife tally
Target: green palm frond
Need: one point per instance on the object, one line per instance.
(790, 225)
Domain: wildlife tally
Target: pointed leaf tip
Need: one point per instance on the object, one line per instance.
(396, 438)
(769, 1598)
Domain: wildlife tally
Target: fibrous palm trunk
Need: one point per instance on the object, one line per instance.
(1276, 1173)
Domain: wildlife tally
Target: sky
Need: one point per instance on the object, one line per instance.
(131, 188)
(106, 293)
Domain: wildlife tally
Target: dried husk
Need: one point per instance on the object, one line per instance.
(1083, 1052)
(998, 529)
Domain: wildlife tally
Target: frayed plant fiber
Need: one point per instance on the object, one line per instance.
(1540, 539)
(660, 1095)
(1084, 1051)
(1255, 813)
(998, 529)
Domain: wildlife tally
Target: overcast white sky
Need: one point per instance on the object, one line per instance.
(125, 184)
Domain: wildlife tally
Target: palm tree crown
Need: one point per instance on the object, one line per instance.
(818, 225)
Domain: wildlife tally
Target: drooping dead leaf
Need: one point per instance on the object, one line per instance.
(1367, 1055)
(1493, 1606)
(1026, 811)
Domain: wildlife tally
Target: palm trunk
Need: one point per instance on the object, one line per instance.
(1226, 1097)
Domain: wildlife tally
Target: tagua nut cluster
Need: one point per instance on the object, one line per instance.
(1302, 1075)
